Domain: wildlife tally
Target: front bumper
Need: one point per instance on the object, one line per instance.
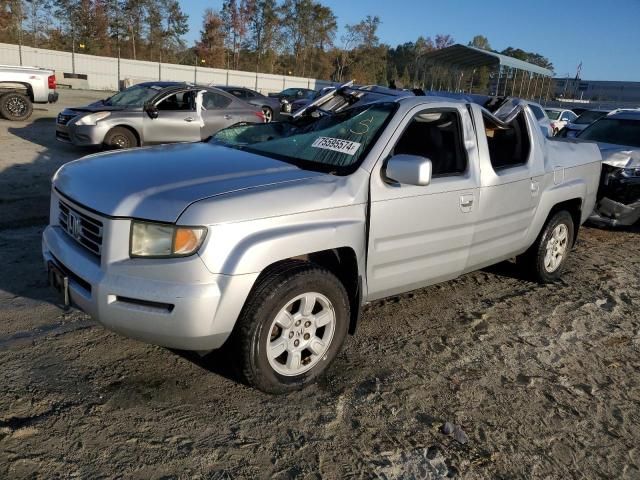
(176, 303)
(618, 198)
(81, 135)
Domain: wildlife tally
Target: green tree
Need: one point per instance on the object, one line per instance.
(480, 41)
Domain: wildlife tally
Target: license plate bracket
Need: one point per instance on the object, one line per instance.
(59, 282)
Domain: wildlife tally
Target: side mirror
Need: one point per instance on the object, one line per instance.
(151, 110)
(409, 170)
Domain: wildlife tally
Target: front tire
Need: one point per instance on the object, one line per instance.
(291, 328)
(268, 114)
(548, 255)
(120, 137)
(15, 106)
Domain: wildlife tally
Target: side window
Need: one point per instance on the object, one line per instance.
(238, 93)
(249, 94)
(181, 101)
(537, 111)
(436, 135)
(508, 147)
(212, 100)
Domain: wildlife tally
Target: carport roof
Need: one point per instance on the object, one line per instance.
(472, 57)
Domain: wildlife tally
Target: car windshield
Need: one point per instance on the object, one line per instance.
(333, 142)
(589, 116)
(134, 96)
(553, 114)
(613, 130)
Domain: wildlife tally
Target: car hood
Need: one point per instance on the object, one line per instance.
(98, 107)
(620, 156)
(159, 183)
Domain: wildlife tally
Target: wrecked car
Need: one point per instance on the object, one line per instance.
(270, 238)
(618, 136)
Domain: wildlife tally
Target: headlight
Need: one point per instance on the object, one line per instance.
(630, 172)
(92, 118)
(163, 240)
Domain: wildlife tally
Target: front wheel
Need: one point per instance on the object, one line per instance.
(547, 257)
(120, 137)
(291, 328)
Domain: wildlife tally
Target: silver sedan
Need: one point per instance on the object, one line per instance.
(154, 112)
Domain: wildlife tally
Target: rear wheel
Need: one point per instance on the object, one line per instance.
(547, 257)
(120, 137)
(291, 328)
(268, 114)
(15, 106)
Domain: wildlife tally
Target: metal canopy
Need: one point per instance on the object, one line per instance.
(463, 56)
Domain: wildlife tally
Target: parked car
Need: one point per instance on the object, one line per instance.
(21, 87)
(154, 112)
(618, 136)
(289, 107)
(291, 94)
(271, 237)
(583, 120)
(270, 106)
(559, 118)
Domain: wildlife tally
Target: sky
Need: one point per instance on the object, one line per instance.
(602, 34)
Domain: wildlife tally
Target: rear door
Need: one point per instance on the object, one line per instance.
(512, 166)
(176, 120)
(219, 111)
(421, 235)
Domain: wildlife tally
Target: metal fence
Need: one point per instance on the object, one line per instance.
(107, 73)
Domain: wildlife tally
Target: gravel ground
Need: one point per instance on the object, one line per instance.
(536, 381)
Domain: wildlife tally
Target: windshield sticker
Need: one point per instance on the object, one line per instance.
(337, 145)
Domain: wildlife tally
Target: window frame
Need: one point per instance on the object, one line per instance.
(162, 98)
(507, 168)
(229, 98)
(460, 140)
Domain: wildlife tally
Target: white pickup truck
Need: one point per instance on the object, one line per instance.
(269, 238)
(21, 87)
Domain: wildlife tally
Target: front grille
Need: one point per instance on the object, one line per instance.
(64, 119)
(85, 230)
(63, 136)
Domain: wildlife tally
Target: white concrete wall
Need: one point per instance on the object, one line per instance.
(102, 72)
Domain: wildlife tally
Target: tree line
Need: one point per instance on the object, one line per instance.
(290, 37)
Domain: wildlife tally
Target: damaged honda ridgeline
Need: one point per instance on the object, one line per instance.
(269, 238)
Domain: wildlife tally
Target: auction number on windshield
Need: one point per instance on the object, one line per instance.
(337, 145)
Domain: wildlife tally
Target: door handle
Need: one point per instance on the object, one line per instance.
(535, 188)
(227, 117)
(466, 203)
(188, 119)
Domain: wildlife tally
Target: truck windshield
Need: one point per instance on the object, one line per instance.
(134, 96)
(332, 142)
(613, 130)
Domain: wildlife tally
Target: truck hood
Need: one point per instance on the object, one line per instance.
(159, 183)
(620, 156)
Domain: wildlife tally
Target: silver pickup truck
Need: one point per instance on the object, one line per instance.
(269, 238)
(21, 87)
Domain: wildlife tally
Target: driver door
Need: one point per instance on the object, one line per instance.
(176, 122)
(420, 235)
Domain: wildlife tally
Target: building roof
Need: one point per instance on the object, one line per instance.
(472, 57)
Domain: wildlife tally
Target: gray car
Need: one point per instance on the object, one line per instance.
(154, 112)
(270, 106)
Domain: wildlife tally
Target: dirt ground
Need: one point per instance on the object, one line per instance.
(544, 380)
